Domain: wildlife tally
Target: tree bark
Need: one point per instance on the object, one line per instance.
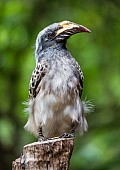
(53, 154)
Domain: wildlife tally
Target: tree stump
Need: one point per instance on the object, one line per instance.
(53, 154)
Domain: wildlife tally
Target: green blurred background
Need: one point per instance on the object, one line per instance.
(99, 56)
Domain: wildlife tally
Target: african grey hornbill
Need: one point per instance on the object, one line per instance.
(56, 85)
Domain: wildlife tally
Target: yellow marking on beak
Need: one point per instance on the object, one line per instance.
(66, 25)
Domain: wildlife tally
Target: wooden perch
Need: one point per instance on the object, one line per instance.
(52, 154)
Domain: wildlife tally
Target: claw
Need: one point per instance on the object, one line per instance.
(41, 139)
(67, 135)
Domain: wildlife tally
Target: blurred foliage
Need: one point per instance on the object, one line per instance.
(99, 56)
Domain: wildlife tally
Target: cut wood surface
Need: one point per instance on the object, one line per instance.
(53, 154)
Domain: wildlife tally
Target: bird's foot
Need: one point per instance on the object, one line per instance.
(67, 135)
(41, 139)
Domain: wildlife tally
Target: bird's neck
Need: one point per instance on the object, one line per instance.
(52, 51)
(57, 46)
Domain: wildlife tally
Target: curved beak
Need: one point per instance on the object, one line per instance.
(68, 28)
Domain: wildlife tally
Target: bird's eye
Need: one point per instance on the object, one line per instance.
(51, 35)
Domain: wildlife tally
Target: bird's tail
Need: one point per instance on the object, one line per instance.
(30, 125)
(87, 107)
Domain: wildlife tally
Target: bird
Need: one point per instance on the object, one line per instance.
(54, 107)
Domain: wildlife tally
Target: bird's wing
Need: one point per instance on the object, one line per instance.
(81, 77)
(37, 75)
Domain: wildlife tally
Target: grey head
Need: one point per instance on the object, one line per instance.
(56, 34)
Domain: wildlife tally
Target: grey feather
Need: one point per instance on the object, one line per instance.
(55, 89)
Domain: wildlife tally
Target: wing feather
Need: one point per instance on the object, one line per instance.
(37, 75)
(81, 78)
